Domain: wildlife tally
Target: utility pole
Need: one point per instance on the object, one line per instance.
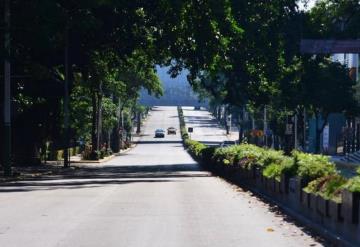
(66, 98)
(7, 93)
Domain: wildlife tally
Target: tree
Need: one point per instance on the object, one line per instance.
(326, 88)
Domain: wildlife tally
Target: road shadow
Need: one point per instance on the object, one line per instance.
(91, 177)
(157, 141)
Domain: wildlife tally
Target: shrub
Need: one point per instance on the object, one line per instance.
(222, 155)
(311, 166)
(89, 154)
(272, 171)
(353, 184)
(104, 152)
(270, 156)
(289, 167)
(328, 187)
(184, 133)
(207, 154)
(247, 155)
(275, 170)
(194, 147)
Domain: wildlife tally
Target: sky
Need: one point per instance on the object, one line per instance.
(310, 4)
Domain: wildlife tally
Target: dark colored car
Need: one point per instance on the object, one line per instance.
(197, 107)
(160, 133)
(171, 131)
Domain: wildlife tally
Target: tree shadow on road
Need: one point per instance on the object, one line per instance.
(91, 177)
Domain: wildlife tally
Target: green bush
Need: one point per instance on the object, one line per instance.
(270, 156)
(194, 147)
(275, 170)
(353, 184)
(224, 155)
(312, 166)
(272, 171)
(105, 153)
(247, 155)
(207, 154)
(184, 133)
(244, 155)
(328, 187)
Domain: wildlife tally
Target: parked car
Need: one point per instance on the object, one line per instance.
(160, 133)
(197, 107)
(228, 143)
(171, 131)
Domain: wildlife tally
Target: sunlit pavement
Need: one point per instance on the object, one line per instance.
(205, 127)
(154, 195)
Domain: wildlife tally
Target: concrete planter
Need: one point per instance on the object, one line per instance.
(230, 171)
(278, 187)
(267, 184)
(284, 183)
(296, 185)
(350, 206)
(258, 177)
(322, 206)
(237, 175)
(249, 173)
(243, 173)
(335, 212)
(272, 187)
(313, 201)
(253, 172)
(305, 200)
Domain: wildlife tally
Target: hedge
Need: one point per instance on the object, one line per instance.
(317, 170)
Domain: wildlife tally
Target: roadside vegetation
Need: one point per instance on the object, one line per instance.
(319, 173)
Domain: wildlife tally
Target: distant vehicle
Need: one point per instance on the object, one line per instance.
(227, 143)
(159, 133)
(171, 131)
(197, 107)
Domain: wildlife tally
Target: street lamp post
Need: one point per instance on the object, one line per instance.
(7, 93)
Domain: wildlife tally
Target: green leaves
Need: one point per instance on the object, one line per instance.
(312, 166)
(329, 187)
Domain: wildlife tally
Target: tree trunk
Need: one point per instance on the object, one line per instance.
(241, 133)
(94, 121)
(99, 122)
(138, 126)
(115, 144)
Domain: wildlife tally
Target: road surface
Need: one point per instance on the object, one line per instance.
(153, 196)
(206, 127)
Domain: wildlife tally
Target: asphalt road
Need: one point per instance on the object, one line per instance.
(155, 195)
(206, 128)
